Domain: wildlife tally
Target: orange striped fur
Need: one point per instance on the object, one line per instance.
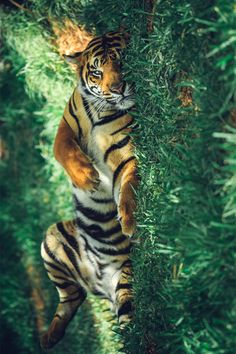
(91, 253)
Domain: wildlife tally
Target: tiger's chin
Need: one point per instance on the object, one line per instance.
(121, 104)
(124, 104)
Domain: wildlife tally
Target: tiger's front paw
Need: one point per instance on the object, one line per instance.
(83, 174)
(126, 217)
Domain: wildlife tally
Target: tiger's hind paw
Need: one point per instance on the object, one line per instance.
(51, 337)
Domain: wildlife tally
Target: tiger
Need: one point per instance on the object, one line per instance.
(91, 253)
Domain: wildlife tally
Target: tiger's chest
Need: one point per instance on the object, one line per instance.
(98, 143)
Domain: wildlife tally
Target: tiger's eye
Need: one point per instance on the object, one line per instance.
(97, 73)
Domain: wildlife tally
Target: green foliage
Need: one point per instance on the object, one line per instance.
(19, 213)
(184, 262)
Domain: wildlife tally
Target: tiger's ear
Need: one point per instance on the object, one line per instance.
(74, 58)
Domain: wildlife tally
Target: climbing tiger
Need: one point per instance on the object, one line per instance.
(91, 252)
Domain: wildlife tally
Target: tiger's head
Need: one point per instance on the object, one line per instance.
(100, 75)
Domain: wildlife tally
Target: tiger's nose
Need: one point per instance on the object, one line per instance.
(117, 87)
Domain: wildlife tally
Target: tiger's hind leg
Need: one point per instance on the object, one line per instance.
(124, 296)
(61, 266)
(70, 300)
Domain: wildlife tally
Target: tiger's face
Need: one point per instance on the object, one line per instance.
(100, 73)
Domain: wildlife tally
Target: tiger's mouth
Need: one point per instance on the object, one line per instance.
(124, 102)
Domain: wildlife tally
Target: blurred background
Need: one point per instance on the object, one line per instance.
(182, 60)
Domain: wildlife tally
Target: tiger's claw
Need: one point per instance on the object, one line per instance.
(96, 184)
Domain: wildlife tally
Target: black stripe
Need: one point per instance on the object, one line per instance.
(56, 315)
(99, 53)
(77, 54)
(87, 109)
(52, 256)
(73, 260)
(53, 266)
(69, 238)
(123, 272)
(124, 127)
(73, 100)
(113, 38)
(72, 113)
(75, 292)
(118, 170)
(123, 286)
(93, 42)
(116, 45)
(113, 242)
(96, 231)
(79, 297)
(126, 263)
(114, 252)
(102, 266)
(86, 91)
(122, 143)
(88, 247)
(99, 293)
(66, 121)
(93, 214)
(102, 201)
(62, 285)
(110, 118)
(86, 76)
(125, 308)
(59, 278)
(96, 48)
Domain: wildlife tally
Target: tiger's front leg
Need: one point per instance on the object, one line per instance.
(126, 209)
(124, 296)
(126, 200)
(62, 268)
(76, 163)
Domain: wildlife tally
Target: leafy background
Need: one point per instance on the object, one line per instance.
(184, 70)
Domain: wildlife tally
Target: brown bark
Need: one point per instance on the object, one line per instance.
(150, 7)
(37, 298)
